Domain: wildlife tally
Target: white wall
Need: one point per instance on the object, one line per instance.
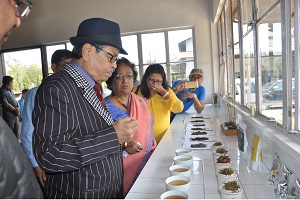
(58, 20)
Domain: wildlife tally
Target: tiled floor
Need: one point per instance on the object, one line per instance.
(151, 182)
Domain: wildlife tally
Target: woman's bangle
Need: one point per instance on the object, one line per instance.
(175, 90)
(165, 95)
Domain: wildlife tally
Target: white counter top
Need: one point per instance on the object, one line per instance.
(151, 182)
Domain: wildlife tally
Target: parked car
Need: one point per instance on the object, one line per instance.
(272, 91)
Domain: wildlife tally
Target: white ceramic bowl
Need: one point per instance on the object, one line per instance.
(227, 194)
(216, 147)
(219, 166)
(178, 183)
(183, 151)
(183, 159)
(183, 170)
(216, 155)
(226, 178)
(174, 195)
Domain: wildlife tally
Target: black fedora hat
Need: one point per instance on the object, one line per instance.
(99, 31)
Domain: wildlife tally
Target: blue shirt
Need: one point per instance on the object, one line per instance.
(21, 104)
(116, 113)
(27, 126)
(188, 102)
(83, 73)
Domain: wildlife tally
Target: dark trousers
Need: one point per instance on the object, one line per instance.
(13, 123)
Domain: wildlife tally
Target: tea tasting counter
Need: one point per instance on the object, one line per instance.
(151, 182)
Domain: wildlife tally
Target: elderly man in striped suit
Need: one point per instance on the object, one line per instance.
(75, 140)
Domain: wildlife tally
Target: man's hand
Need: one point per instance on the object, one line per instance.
(17, 111)
(40, 175)
(180, 87)
(188, 95)
(133, 147)
(125, 128)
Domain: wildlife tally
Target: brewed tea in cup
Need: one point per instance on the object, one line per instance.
(180, 169)
(183, 151)
(178, 183)
(183, 159)
(174, 195)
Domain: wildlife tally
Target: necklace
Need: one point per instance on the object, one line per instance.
(120, 101)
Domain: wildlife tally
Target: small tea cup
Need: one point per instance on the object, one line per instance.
(174, 195)
(183, 151)
(178, 183)
(183, 159)
(183, 170)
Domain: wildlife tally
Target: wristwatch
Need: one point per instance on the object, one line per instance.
(124, 145)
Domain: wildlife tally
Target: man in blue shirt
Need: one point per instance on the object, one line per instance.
(59, 57)
(194, 96)
(21, 103)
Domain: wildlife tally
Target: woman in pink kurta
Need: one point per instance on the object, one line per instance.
(121, 103)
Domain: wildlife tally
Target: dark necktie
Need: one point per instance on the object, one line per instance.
(98, 91)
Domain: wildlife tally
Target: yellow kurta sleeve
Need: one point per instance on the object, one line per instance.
(160, 109)
(176, 105)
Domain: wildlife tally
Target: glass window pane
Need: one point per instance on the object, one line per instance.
(50, 50)
(146, 66)
(25, 67)
(154, 50)
(138, 80)
(181, 45)
(220, 42)
(129, 43)
(237, 74)
(270, 51)
(248, 62)
(223, 35)
(69, 46)
(235, 28)
(228, 29)
(181, 71)
(294, 65)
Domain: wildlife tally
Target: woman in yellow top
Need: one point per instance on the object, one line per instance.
(160, 98)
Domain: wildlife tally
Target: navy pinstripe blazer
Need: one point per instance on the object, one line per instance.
(74, 140)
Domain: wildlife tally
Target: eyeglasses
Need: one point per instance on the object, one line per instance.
(113, 58)
(155, 81)
(23, 8)
(121, 76)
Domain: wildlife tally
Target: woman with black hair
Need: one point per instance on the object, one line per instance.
(122, 103)
(160, 98)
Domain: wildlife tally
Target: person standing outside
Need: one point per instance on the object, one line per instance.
(19, 181)
(21, 103)
(10, 105)
(75, 140)
(59, 57)
(191, 96)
